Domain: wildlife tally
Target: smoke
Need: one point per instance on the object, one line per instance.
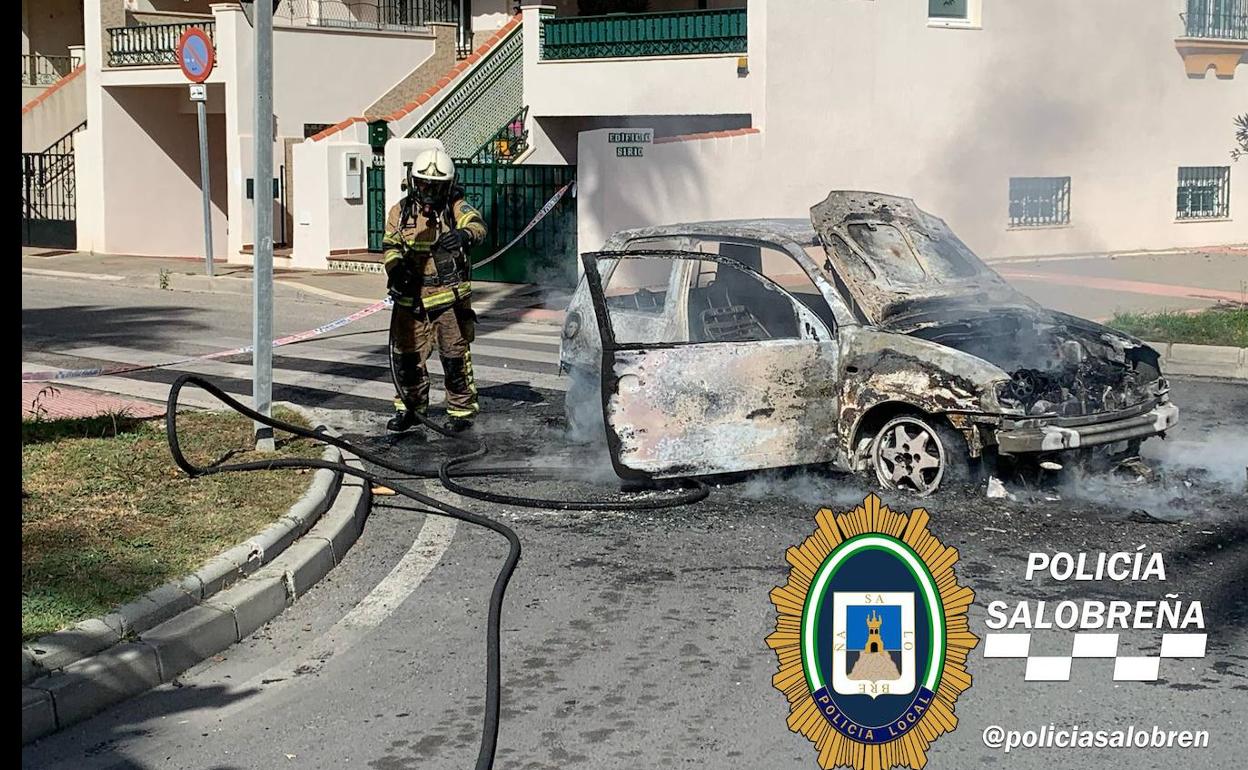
(1177, 478)
(808, 487)
(1220, 457)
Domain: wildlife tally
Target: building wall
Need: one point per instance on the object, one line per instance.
(49, 27)
(657, 85)
(878, 99)
(489, 15)
(149, 167)
(349, 70)
(554, 139)
(61, 111)
(861, 94)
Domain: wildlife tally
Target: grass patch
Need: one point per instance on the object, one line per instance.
(1215, 326)
(106, 516)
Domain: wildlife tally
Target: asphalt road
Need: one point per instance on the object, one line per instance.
(636, 639)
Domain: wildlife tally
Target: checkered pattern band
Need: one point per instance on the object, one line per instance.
(1056, 668)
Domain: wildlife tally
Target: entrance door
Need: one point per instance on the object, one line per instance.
(49, 210)
(376, 202)
(709, 367)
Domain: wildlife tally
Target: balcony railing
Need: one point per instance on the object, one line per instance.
(367, 14)
(644, 34)
(150, 44)
(39, 70)
(1218, 19)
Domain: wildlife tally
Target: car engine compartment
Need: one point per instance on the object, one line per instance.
(1058, 365)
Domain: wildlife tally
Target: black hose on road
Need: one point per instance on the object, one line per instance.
(692, 492)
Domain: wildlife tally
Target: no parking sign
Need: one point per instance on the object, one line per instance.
(196, 55)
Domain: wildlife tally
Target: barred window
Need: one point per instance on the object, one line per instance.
(1204, 192)
(1040, 201)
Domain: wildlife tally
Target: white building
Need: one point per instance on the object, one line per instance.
(1031, 126)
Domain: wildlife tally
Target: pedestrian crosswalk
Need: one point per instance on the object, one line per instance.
(349, 370)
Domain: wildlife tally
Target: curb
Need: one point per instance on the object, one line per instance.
(53, 652)
(186, 629)
(1179, 358)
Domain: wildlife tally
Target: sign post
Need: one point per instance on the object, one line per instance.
(196, 57)
(262, 272)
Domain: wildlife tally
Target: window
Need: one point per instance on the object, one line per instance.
(312, 129)
(958, 14)
(1204, 192)
(947, 9)
(777, 266)
(1042, 201)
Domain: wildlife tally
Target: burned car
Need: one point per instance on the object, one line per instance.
(869, 337)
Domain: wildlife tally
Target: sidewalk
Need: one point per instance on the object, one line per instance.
(516, 302)
(1096, 287)
(54, 401)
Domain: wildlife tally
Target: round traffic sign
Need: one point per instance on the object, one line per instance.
(196, 56)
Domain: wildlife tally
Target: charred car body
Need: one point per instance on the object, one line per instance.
(869, 337)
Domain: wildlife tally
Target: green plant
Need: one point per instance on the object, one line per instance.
(163, 279)
(1241, 137)
(36, 404)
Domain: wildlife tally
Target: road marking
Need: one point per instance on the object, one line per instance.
(370, 612)
(435, 537)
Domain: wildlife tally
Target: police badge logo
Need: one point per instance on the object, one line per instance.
(872, 638)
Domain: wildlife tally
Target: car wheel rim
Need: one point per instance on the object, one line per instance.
(909, 456)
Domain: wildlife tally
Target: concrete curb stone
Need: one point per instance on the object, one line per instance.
(57, 650)
(1202, 360)
(166, 650)
(38, 715)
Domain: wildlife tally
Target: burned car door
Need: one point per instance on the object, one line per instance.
(747, 378)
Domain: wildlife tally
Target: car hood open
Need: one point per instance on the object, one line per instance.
(890, 256)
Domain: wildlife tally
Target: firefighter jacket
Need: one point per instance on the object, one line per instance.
(414, 240)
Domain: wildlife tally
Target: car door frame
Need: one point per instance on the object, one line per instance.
(811, 328)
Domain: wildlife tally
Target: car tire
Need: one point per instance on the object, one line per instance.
(917, 454)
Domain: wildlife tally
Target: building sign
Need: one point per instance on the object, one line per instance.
(629, 143)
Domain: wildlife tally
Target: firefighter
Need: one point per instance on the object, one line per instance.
(427, 237)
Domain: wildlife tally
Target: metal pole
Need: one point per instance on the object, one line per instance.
(262, 301)
(202, 108)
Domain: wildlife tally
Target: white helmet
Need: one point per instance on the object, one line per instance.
(433, 173)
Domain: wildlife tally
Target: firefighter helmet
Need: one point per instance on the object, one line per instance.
(433, 173)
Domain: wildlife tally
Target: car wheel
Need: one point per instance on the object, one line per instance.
(915, 454)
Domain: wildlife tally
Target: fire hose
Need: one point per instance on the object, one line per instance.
(690, 491)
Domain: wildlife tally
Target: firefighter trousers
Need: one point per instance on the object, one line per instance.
(413, 332)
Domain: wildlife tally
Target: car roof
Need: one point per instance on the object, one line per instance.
(794, 229)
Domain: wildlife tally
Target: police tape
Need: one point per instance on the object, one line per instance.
(550, 205)
(337, 323)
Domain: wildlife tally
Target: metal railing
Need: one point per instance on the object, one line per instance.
(151, 43)
(644, 34)
(1039, 201)
(1204, 192)
(1219, 19)
(40, 70)
(49, 208)
(507, 144)
(367, 14)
